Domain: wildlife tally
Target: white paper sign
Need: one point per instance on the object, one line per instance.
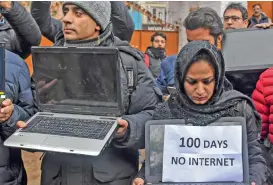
(202, 154)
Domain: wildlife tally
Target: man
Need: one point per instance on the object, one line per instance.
(18, 29)
(123, 24)
(18, 106)
(235, 16)
(87, 24)
(156, 53)
(205, 24)
(258, 17)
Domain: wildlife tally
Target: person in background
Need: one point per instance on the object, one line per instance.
(155, 53)
(18, 29)
(165, 78)
(258, 17)
(19, 105)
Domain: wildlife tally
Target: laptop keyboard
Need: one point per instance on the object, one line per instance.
(84, 128)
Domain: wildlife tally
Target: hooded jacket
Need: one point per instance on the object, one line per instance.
(224, 103)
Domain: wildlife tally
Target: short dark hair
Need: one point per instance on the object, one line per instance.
(158, 34)
(240, 7)
(204, 17)
(257, 4)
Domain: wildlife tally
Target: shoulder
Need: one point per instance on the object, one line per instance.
(15, 60)
(15, 66)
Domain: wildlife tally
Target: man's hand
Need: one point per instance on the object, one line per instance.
(5, 4)
(21, 124)
(263, 25)
(123, 124)
(138, 181)
(44, 87)
(6, 110)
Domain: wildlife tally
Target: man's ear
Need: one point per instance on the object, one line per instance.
(246, 23)
(97, 28)
(219, 41)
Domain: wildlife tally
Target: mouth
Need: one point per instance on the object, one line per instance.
(229, 28)
(68, 31)
(200, 98)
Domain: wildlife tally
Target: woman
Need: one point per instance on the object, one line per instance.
(201, 99)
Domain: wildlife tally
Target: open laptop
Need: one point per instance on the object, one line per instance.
(247, 53)
(80, 102)
(154, 142)
(2, 72)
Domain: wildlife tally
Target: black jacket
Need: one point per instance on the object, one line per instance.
(20, 31)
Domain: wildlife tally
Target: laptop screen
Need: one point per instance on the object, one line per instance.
(156, 149)
(2, 67)
(78, 78)
(248, 49)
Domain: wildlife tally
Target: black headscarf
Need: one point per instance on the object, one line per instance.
(224, 100)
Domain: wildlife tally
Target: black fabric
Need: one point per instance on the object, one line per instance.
(222, 102)
(156, 55)
(20, 31)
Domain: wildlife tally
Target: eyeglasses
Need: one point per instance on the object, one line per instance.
(233, 18)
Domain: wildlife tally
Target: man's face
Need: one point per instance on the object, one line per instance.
(159, 42)
(257, 11)
(233, 20)
(77, 25)
(203, 34)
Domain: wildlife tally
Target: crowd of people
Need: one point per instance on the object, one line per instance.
(203, 92)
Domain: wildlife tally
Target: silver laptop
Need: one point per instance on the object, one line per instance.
(78, 92)
(154, 142)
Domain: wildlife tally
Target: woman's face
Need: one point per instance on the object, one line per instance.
(200, 82)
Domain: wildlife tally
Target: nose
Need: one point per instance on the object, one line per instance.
(229, 21)
(200, 89)
(67, 18)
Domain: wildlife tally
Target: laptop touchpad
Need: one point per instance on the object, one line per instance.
(53, 141)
